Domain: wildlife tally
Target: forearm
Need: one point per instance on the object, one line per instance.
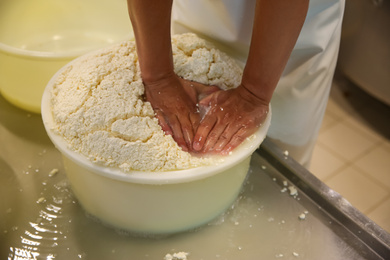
(275, 31)
(151, 20)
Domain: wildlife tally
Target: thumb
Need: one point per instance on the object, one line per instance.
(207, 99)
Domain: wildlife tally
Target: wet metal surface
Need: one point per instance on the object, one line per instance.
(283, 212)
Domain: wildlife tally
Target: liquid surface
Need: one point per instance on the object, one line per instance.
(31, 31)
(41, 219)
(63, 26)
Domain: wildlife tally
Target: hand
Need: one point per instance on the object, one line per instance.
(232, 116)
(174, 101)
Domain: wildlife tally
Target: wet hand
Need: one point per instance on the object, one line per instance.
(174, 101)
(231, 117)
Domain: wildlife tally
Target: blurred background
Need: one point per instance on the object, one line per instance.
(352, 154)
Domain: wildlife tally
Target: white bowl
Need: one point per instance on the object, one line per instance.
(39, 37)
(154, 202)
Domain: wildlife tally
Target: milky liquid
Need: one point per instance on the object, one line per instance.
(41, 219)
(60, 30)
(262, 224)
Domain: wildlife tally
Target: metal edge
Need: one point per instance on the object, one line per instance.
(355, 222)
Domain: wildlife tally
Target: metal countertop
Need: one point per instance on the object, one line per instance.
(41, 219)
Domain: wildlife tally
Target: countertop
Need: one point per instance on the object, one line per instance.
(41, 219)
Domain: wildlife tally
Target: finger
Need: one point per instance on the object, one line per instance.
(213, 137)
(208, 90)
(187, 130)
(205, 126)
(195, 120)
(206, 100)
(163, 122)
(177, 132)
(236, 140)
(226, 137)
(191, 92)
(204, 90)
(198, 90)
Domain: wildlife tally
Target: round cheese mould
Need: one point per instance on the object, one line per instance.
(39, 37)
(156, 203)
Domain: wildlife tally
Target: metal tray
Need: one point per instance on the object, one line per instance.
(41, 219)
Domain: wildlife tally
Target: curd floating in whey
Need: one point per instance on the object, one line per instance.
(99, 109)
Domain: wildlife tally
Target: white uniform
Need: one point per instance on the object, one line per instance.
(300, 99)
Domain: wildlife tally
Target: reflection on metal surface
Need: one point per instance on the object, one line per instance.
(264, 223)
(22, 254)
(355, 228)
(40, 238)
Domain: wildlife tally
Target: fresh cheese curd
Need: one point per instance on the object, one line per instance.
(99, 109)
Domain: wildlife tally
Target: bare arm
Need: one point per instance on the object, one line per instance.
(276, 29)
(236, 114)
(151, 21)
(173, 101)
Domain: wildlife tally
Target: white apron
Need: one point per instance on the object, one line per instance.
(300, 99)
